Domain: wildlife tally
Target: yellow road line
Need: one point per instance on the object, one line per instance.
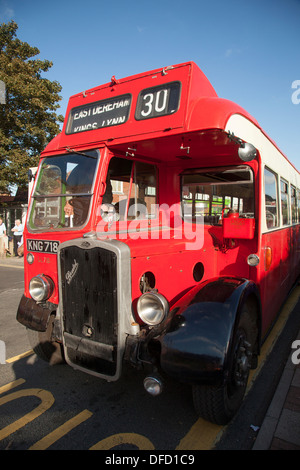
(11, 385)
(47, 401)
(201, 436)
(20, 356)
(141, 442)
(61, 431)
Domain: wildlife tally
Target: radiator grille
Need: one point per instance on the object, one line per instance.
(90, 307)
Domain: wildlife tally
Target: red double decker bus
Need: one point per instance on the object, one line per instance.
(163, 231)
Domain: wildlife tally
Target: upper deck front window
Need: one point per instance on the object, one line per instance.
(63, 191)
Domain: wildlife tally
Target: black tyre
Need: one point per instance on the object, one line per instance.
(48, 350)
(219, 405)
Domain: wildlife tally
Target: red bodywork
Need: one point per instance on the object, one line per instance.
(192, 137)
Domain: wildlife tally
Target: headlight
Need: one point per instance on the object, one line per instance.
(30, 258)
(152, 308)
(253, 260)
(40, 287)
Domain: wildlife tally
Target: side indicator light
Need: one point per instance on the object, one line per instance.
(268, 257)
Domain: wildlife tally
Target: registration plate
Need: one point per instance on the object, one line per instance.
(42, 246)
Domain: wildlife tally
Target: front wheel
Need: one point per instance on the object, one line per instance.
(219, 405)
(41, 343)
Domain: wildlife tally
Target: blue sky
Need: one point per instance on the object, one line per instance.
(249, 50)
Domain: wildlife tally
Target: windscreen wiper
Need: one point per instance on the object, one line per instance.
(68, 149)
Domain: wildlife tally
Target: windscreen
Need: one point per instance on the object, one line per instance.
(63, 191)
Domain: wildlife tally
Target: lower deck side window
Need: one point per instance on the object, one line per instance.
(208, 195)
(271, 196)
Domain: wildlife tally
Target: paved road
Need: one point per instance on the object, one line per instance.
(11, 290)
(43, 407)
(11, 278)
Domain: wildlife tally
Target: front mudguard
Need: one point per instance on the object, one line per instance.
(197, 347)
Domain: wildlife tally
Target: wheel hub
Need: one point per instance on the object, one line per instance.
(243, 362)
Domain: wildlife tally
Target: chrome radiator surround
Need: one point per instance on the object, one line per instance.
(94, 290)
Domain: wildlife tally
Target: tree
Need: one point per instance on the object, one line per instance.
(28, 119)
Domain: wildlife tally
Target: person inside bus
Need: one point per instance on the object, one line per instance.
(79, 183)
(76, 210)
(108, 195)
(69, 214)
(107, 209)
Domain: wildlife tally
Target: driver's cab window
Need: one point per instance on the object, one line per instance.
(130, 191)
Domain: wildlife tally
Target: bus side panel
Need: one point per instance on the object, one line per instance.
(174, 269)
(277, 279)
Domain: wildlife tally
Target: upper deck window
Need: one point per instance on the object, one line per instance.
(63, 191)
(206, 194)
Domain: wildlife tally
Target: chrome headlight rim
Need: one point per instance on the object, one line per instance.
(152, 308)
(41, 287)
(30, 258)
(253, 259)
